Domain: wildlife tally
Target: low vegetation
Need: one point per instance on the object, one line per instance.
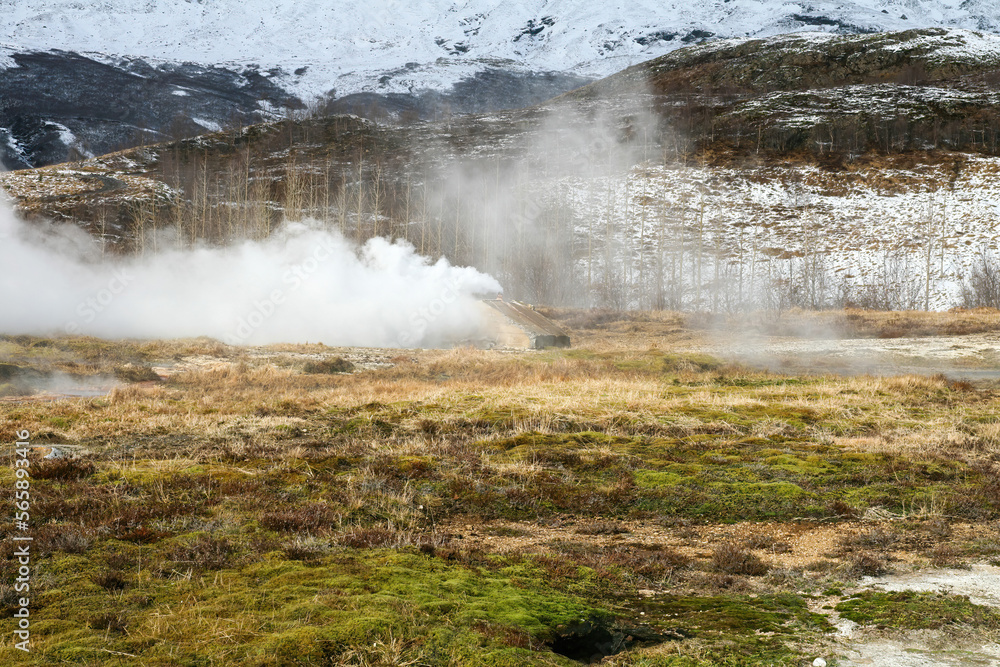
(288, 505)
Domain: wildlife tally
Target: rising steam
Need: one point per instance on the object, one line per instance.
(302, 284)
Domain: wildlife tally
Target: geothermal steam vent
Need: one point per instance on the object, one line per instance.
(518, 325)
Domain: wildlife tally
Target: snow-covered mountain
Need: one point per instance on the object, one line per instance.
(404, 45)
(85, 77)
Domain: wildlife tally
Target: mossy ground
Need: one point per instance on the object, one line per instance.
(246, 512)
(265, 609)
(912, 610)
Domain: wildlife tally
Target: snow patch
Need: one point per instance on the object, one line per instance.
(209, 125)
(353, 45)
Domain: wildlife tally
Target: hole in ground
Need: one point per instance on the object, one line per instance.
(591, 641)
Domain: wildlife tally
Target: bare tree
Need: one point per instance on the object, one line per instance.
(982, 288)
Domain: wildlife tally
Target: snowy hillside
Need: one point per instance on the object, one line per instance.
(741, 228)
(395, 46)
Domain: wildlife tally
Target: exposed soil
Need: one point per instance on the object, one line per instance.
(793, 545)
(970, 357)
(980, 583)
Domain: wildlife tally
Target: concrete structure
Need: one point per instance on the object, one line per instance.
(516, 324)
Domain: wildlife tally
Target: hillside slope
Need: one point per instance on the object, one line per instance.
(180, 68)
(345, 46)
(765, 194)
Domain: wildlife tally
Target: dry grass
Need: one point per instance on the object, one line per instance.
(606, 329)
(729, 558)
(246, 405)
(603, 469)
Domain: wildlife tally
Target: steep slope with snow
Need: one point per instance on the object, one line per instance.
(397, 46)
(130, 71)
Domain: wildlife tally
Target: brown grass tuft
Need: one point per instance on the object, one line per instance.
(866, 564)
(328, 366)
(206, 552)
(730, 558)
(63, 470)
(111, 580)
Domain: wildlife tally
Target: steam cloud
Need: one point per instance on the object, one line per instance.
(302, 284)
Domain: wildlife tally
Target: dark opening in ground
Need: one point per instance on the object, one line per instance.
(591, 641)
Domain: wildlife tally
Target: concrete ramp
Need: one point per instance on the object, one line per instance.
(518, 325)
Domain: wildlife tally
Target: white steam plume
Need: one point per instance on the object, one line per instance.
(302, 284)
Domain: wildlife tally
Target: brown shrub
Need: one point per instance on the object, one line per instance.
(116, 622)
(328, 366)
(874, 538)
(939, 528)
(63, 470)
(602, 528)
(136, 373)
(67, 539)
(111, 580)
(729, 558)
(205, 552)
(839, 508)
(866, 564)
(505, 634)
(821, 565)
(305, 550)
(313, 517)
(368, 538)
(767, 543)
(372, 538)
(945, 555)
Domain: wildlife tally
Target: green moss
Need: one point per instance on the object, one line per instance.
(657, 479)
(736, 630)
(799, 465)
(916, 611)
(289, 613)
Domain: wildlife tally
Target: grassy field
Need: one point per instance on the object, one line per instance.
(303, 505)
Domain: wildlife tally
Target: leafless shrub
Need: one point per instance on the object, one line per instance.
(373, 538)
(136, 373)
(730, 558)
(602, 528)
(875, 538)
(63, 470)
(722, 582)
(205, 552)
(822, 565)
(939, 528)
(367, 538)
(67, 539)
(305, 549)
(328, 366)
(982, 287)
(945, 555)
(783, 576)
(116, 622)
(8, 596)
(313, 517)
(111, 580)
(866, 564)
(767, 543)
(893, 286)
(651, 561)
(840, 508)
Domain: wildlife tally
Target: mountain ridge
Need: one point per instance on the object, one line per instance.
(382, 59)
